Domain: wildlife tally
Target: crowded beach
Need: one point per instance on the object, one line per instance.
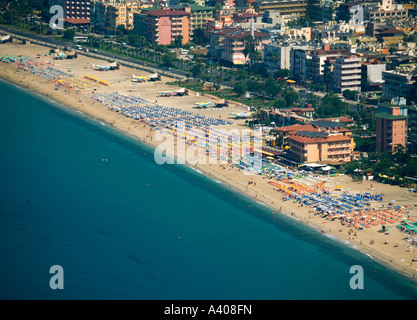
(382, 216)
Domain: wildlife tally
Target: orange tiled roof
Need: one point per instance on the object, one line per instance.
(297, 127)
(306, 140)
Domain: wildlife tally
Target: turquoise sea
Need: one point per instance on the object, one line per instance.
(76, 193)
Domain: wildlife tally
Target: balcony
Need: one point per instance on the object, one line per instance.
(353, 71)
(351, 66)
(344, 78)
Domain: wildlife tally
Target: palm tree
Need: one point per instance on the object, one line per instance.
(250, 50)
(257, 114)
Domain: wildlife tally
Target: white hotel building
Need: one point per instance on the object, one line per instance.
(347, 73)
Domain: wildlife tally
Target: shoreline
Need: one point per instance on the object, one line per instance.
(230, 178)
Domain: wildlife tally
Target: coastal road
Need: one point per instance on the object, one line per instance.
(99, 54)
(150, 67)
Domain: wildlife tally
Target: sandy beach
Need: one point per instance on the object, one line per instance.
(389, 247)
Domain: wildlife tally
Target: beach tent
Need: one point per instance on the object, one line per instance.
(314, 165)
(327, 168)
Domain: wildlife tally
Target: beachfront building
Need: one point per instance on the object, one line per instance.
(317, 141)
(347, 73)
(282, 133)
(108, 15)
(76, 12)
(229, 44)
(164, 26)
(320, 147)
(120, 15)
(199, 14)
(234, 46)
(391, 125)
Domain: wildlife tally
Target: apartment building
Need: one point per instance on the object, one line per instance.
(317, 141)
(372, 71)
(315, 65)
(397, 84)
(110, 14)
(347, 73)
(234, 45)
(318, 146)
(199, 14)
(282, 133)
(389, 36)
(391, 126)
(229, 44)
(163, 26)
(75, 11)
(285, 7)
(277, 56)
(298, 62)
(120, 15)
(384, 9)
(222, 21)
(321, 10)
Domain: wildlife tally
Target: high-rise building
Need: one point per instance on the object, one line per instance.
(299, 57)
(391, 125)
(75, 11)
(347, 73)
(164, 26)
(397, 84)
(315, 65)
(285, 7)
(277, 56)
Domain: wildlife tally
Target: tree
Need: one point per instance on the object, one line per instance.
(331, 106)
(217, 81)
(199, 38)
(178, 41)
(257, 114)
(364, 84)
(167, 59)
(282, 73)
(197, 70)
(349, 94)
(121, 30)
(69, 34)
(290, 97)
(327, 75)
(239, 88)
(272, 88)
(280, 103)
(250, 48)
(94, 41)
